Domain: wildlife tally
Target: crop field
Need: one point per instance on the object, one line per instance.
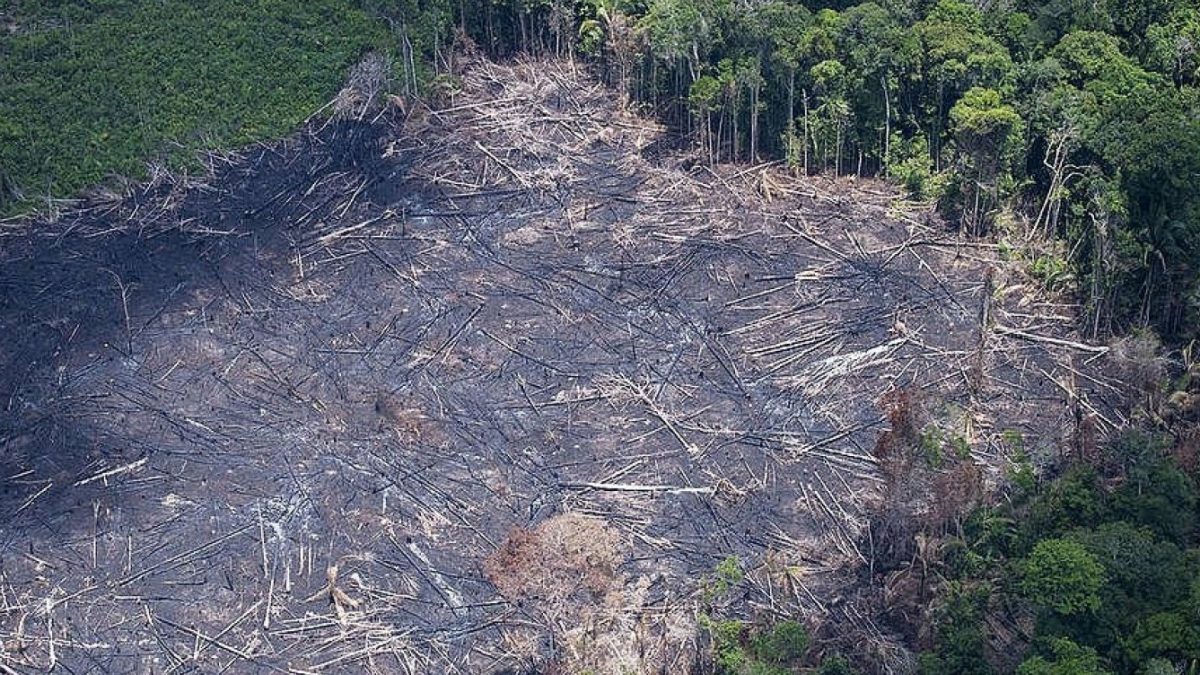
(90, 91)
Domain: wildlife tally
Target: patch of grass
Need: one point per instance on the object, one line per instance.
(738, 650)
(93, 90)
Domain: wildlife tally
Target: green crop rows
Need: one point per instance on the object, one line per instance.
(91, 93)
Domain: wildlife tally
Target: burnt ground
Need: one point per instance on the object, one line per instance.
(336, 408)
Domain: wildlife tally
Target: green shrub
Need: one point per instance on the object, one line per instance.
(784, 642)
(1158, 667)
(1022, 475)
(737, 651)
(1166, 634)
(961, 643)
(1159, 497)
(1053, 271)
(911, 165)
(728, 574)
(931, 443)
(728, 653)
(836, 665)
(961, 447)
(1073, 500)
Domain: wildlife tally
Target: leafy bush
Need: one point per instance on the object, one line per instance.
(786, 641)
(911, 165)
(1053, 271)
(836, 665)
(961, 643)
(1075, 499)
(737, 649)
(1159, 497)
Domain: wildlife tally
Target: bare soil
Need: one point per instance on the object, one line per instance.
(488, 388)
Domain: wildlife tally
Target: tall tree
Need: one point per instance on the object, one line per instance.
(958, 55)
(989, 133)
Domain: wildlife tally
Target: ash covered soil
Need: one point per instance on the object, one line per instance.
(489, 388)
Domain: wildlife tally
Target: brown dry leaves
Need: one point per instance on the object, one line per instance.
(564, 560)
(566, 571)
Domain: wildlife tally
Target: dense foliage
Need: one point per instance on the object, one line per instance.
(89, 90)
(1104, 561)
(741, 648)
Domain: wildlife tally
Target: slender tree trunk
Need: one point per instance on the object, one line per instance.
(791, 116)
(412, 63)
(720, 135)
(754, 112)
(708, 137)
(521, 28)
(489, 19)
(975, 210)
(837, 151)
(1047, 215)
(437, 54)
(806, 134)
(887, 127)
(678, 78)
(556, 10)
(1099, 274)
(734, 137)
(654, 83)
(937, 129)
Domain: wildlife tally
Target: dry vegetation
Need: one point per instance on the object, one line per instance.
(493, 387)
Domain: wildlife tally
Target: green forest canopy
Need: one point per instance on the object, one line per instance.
(1107, 559)
(1083, 117)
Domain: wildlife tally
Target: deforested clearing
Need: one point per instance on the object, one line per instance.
(495, 386)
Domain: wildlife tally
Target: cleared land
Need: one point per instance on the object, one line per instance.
(487, 388)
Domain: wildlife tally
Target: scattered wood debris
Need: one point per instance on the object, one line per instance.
(420, 389)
